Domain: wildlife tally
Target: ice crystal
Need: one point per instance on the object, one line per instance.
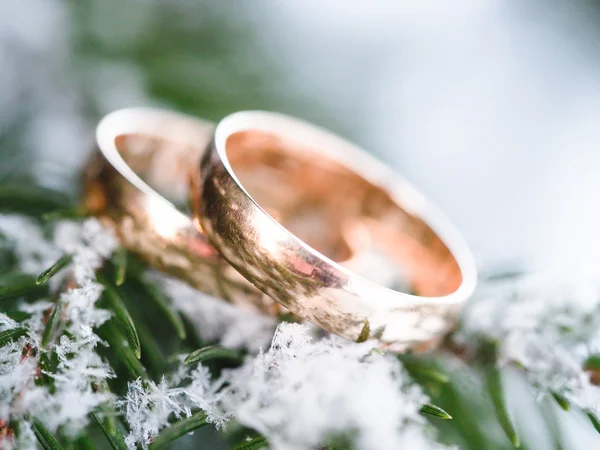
(302, 391)
(298, 394)
(148, 405)
(79, 366)
(33, 251)
(548, 327)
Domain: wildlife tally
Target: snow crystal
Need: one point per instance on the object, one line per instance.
(79, 366)
(548, 327)
(302, 391)
(298, 393)
(148, 406)
(89, 243)
(33, 251)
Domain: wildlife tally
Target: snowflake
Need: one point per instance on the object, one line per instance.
(548, 327)
(79, 366)
(329, 387)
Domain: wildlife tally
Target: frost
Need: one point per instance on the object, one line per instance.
(148, 405)
(33, 252)
(89, 243)
(298, 394)
(81, 303)
(549, 327)
(79, 366)
(302, 391)
(6, 323)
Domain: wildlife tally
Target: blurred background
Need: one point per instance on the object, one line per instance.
(489, 107)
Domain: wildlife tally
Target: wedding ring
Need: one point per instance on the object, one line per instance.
(138, 181)
(288, 204)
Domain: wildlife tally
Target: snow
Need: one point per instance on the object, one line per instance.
(79, 366)
(548, 325)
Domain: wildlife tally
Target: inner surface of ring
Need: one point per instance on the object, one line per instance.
(340, 214)
(163, 164)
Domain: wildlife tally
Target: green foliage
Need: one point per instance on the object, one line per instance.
(114, 437)
(435, 411)
(213, 352)
(44, 437)
(178, 429)
(19, 285)
(122, 317)
(496, 390)
(252, 444)
(52, 324)
(63, 262)
(11, 335)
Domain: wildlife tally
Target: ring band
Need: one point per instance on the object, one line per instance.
(310, 176)
(134, 181)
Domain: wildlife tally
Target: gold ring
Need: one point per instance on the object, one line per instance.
(289, 205)
(138, 181)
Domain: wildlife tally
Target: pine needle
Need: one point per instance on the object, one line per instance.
(53, 323)
(364, 333)
(110, 333)
(119, 260)
(562, 401)
(162, 302)
(213, 352)
(122, 316)
(494, 383)
(116, 440)
(10, 335)
(63, 262)
(594, 419)
(18, 285)
(592, 363)
(435, 411)
(252, 444)
(44, 437)
(178, 429)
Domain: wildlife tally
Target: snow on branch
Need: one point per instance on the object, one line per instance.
(548, 327)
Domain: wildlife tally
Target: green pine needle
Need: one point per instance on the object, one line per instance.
(594, 419)
(72, 213)
(153, 355)
(63, 262)
(84, 442)
(119, 260)
(18, 285)
(44, 437)
(29, 199)
(10, 335)
(178, 429)
(53, 323)
(435, 411)
(111, 334)
(418, 369)
(163, 304)
(562, 401)
(122, 316)
(116, 440)
(213, 352)
(252, 444)
(364, 333)
(592, 363)
(494, 383)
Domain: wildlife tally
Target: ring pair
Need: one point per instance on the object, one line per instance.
(283, 216)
